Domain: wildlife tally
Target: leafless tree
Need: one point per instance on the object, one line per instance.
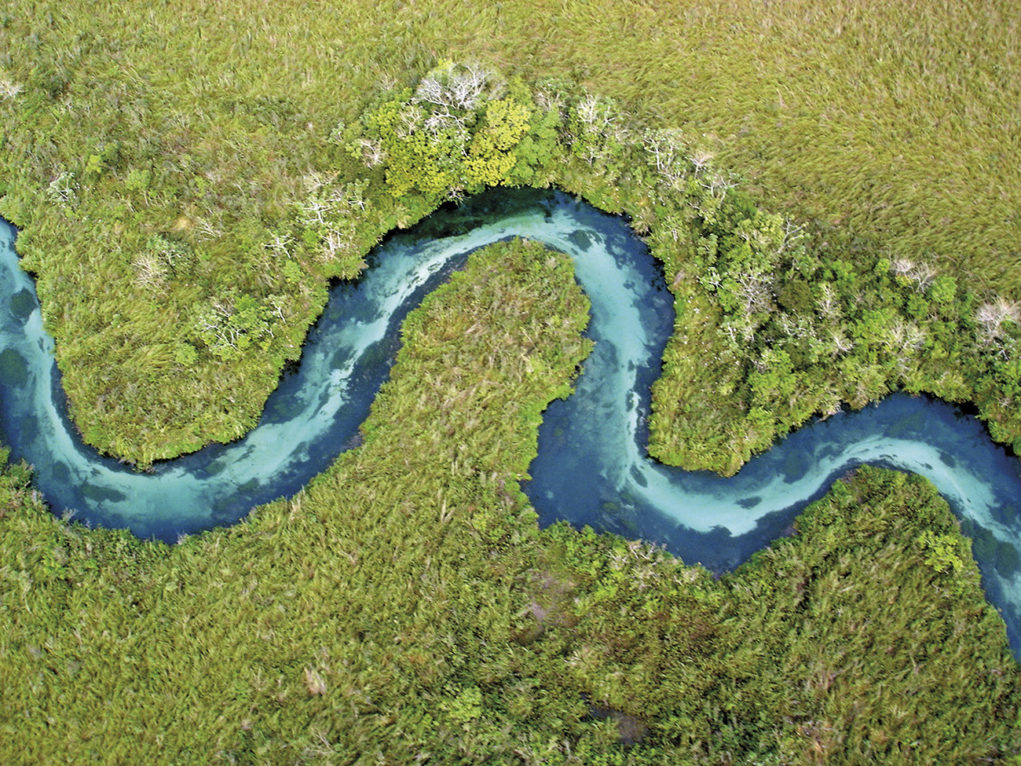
(335, 244)
(594, 113)
(700, 160)
(792, 234)
(216, 322)
(841, 343)
(411, 119)
(901, 267)
(280, 245)
(149, 270)
(9, 89)
(922, 274)
(904, 340)
(459, 87)
(905, 337)
(716, 184)
(755, 293)
(372, 152)
(550, 99)
(992, 315)
(829, 306)
(313, 211)
(667, 149)
(63, 190)
(205, 230)
(597, 127)
(278, 304)
(796, 327)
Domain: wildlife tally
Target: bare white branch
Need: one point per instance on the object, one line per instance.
(9, 89)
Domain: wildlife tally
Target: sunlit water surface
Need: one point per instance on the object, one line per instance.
(592, 466)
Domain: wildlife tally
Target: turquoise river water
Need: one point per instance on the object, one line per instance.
(592, 467)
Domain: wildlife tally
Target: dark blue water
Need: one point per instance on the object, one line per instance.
(592, 466)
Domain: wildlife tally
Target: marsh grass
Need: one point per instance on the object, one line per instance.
(156, 156)
(388, 613)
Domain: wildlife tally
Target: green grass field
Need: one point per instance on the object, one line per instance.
(154, 156)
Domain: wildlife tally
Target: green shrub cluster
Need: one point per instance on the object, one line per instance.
(786, 330)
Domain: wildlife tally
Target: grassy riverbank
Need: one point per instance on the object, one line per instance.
(405, 605)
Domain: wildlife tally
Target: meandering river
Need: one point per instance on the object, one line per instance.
(592, 467)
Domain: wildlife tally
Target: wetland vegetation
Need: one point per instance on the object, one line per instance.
(183, 223)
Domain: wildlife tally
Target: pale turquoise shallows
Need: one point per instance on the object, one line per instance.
(592, 465)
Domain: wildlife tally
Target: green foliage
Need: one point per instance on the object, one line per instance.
(185, 355)
(456, 133)
(225, 190)
(230, 325)
(942, 552)
(490, 155)
(415, 159)
(880, 576)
